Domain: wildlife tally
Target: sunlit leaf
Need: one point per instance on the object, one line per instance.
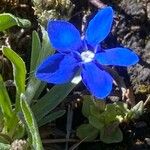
(8, 20)
(19, 69)
(5, 102)
(40, 50)
(4, 146)
(36, 49)
(31, 124)
(136, 111)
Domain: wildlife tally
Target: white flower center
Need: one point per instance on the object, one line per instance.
(87, 56)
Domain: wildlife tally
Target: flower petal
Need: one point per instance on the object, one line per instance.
(100, 26)
(63, 36)
(117, 56)
(57, 69)
(98, 81)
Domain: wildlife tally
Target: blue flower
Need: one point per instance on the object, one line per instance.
(84, 54)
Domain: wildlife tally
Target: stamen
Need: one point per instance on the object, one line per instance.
(87, 56)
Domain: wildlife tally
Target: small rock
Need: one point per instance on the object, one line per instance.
(147, 140)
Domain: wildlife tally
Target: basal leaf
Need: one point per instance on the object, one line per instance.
(36, 49)
(31, 124)
(8, 20)
(9, 116)
(5, 102)
(51, 117)
(87, 103)
(40, 50)
(111, 134)
(98, 124)
(136, 111)
(4, 146)
(87, 132)
(92, 106)
(19, 69)
(52, 99)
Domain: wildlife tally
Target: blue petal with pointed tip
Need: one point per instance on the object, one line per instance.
(57, 69)
(100, 26)
(117, 56)
(98, 81)
(63, 36)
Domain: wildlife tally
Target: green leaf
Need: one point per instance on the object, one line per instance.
(114, 112)
(39, 52)
(87, 103)
(98, 124)
(10, 118)
(51, 99)
(36, 48)
(51, 117)
(19, 72)
(5, 102)
(136, 111)
(5, 139)
(111, 133)
(8, 20)
(87, 132)
(92, 106)
(4, 146)
(46, 45)
(31, 124)
(19, 69)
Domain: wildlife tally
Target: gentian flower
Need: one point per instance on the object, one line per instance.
(84, 54)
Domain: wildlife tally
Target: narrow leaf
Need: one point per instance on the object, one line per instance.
(111, 134)
(31, 124)
(40, 50)
(52, 99)
(19, 69)
(98, 124)
(5, 102)
(4, 146)
(36, 48)
(51, 117)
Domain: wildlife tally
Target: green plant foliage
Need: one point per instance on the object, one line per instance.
(8, 20)
(40, 50)
(9, 117)
(4, 146)
(5, 102)
(5, 139)
(95, 122)
(36, 48)
(19, 72)
(136, 111)
(111, 133)
(87, 132)
(106, 118)
(31, 124)
(51, 117)
(90, 105)
(51, 99)
(19, 69)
